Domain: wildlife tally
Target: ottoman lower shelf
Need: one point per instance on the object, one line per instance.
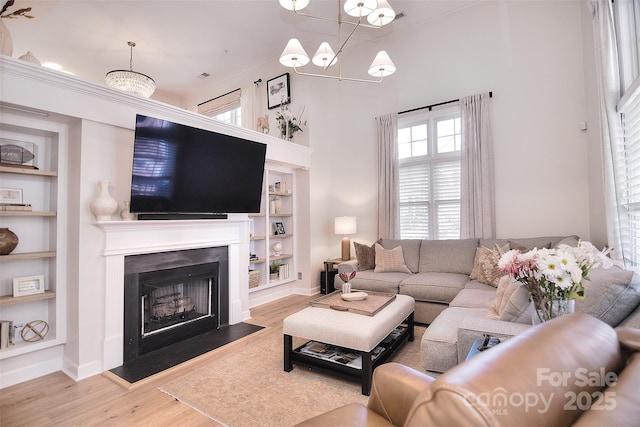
(368, 360)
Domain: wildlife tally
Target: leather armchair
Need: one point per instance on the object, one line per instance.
(574, 370)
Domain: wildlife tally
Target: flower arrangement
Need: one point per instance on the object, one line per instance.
(345, 277)
(553, 275)
(14, 14)
(288, 123)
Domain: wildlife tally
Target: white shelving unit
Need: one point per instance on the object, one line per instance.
(278, 209)
(42, 245)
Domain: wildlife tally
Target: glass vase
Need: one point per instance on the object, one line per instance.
(551, 310)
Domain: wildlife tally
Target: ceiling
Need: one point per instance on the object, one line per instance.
(177, 41)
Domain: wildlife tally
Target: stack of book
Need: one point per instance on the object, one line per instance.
(25, 207)
(283, 272)
(6, 333)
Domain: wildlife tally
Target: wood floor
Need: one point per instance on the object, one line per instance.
(56, 400)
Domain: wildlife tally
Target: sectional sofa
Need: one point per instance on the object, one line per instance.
(458, 293)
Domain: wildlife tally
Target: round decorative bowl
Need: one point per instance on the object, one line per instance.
(354, 296)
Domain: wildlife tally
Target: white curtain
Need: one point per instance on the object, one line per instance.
(608, 78)
(247, 106)
(388, 187)
(477, 197)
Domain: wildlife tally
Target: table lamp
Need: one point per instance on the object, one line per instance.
(345, 225)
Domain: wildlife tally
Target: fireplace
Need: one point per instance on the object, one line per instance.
(172, 296)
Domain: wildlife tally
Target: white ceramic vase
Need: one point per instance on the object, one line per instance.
(104, 205)
(6, 41)
(125, 213)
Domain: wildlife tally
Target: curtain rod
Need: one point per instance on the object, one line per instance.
(436, 105)
(213, 99)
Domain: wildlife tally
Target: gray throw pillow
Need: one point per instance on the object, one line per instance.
(366, 256)
(611, 294)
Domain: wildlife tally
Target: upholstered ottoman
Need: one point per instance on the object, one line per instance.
(373, 338)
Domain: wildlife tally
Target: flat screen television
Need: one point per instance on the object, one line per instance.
(184, 172)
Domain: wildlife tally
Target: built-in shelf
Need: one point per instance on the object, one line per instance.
(273, 193)
(281, 215)
(28, 213)
(258, 261)
(281, 236)
(27, 171)
(28, 255)
(10, 299)
(277, 257)
(254, 238)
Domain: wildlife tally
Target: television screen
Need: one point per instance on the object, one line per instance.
(178, 169)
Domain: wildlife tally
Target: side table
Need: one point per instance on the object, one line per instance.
(329, 274)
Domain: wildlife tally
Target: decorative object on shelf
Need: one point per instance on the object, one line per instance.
(345, 277)
(263, 124)
(34, 331)
(18, 153)
(289, 124)
(554, 277)
(277, 248)
(278, 228)
(30, 57)
(254, 278)
(29, 285)
(125, 213)
(345, 225)
(11, 196)
(278, 91)
(276, 205)
(131, 81)
(378, 13)
(6, 41)
(274, 270)
(104, 205)
(8, 241)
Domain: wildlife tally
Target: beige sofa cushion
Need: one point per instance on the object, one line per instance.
(448, 256)
(485, 265)
(442, 287)
(511, 303)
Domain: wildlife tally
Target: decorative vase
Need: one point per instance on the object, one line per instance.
(6, 41)
(558, 308)
(104, 205)
(8, 241)
(346, 288)
(274, 276)
(125, 213)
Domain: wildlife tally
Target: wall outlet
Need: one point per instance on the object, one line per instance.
(299, 275)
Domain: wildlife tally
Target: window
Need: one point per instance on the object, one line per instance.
(429, 175)
(225, 108)
(626, 155)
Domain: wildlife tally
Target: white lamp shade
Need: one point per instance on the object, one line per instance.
(360, 8)
(291, 4)
(382, 65)
(294, 55)
(382, 15)
(344, 225)
(324, 55)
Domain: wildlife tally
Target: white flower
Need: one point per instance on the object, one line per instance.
(550, 266)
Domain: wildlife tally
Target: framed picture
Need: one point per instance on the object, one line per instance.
(11, 196)
(279, 228)
(28, 285)
(18, 153)
(278, 91)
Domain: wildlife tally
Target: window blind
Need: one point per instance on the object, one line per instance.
(221, 104)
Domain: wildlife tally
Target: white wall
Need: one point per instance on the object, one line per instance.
(531, 54)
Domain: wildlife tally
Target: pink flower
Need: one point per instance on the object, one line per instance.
(345, 277)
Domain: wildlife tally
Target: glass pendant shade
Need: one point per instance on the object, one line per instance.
(131, 81)
(382, 15)
(294, 55)
(360, 8)
(382, 65)
(323, 55)
(294, 4)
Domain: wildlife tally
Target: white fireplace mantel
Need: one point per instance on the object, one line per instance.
(124, 238)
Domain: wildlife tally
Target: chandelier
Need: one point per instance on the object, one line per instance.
(129, 80)
(378, 13)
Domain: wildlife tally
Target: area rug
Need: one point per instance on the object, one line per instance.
(251, 388)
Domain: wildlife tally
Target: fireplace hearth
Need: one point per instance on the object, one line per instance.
(170, 297)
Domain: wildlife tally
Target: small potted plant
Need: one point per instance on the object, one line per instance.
(274, 270)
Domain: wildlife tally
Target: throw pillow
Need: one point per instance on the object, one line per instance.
(366, 256)
(388, 260)
(511, 303)
(485, 266)
(515, 245)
